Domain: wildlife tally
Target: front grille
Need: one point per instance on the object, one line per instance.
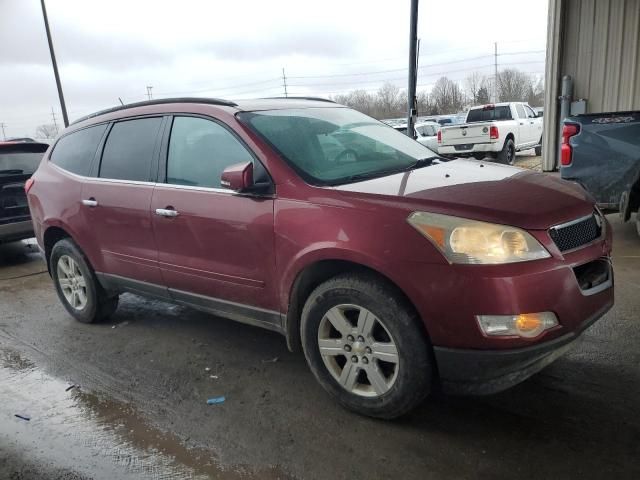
(577, 233)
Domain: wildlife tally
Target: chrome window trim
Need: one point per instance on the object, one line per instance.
(196, 188)
(156, 184)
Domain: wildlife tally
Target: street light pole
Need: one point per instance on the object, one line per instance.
(413, 71)
(63, 107)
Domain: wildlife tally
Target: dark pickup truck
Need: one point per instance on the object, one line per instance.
(601, 152)
(18, 161)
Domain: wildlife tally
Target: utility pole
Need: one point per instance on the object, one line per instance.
(495, 81)
(413, 70)
(55, 122)
(149, 95)
(284, 83)
(4, 135)
(63, 107)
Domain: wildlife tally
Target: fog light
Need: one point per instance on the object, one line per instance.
(526, 325)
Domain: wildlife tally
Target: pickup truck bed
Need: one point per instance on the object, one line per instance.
(497, 131)
(602, 153)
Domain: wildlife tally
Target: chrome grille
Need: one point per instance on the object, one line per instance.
(575, 234)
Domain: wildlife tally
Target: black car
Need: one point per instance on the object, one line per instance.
(18, 161)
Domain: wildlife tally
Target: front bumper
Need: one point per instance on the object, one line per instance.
(11, 232)
(482, 372)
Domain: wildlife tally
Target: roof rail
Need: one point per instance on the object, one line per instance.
(318, 99)
(160, 101)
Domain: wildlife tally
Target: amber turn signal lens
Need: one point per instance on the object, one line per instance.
(528, 322)
(525, 325)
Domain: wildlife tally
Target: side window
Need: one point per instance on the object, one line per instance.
(520, 110)
(530, 112)
(74, 152)
(128, 152)
(199, 151)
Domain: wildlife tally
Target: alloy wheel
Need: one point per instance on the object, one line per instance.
(358, 350)
(72, 282)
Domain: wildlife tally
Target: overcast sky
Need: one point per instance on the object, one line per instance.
(237, 49)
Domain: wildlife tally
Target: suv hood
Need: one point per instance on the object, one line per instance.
(484, 191)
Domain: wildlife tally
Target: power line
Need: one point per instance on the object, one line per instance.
(218, 89)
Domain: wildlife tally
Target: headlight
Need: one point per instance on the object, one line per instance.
(471, 242)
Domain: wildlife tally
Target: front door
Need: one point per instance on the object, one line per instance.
(115, 204)
(215, 247)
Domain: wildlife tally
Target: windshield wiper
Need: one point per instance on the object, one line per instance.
(421, 162)
(10, 171)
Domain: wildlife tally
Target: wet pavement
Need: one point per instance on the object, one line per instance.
(138, 408)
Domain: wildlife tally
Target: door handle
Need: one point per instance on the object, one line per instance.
(167, 212)
(91, 202)
(521, 123)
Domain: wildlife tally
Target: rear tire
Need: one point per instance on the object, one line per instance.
(479, 156)
(77, 286)
(508, 153)
(365, 346)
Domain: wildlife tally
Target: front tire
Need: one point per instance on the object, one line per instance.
(539, 148)
(77, 286)
(508, 153)
(366, 347)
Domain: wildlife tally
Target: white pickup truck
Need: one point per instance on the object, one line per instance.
(495, 130)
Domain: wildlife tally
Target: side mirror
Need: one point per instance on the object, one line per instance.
(539, 114)
(238, 177)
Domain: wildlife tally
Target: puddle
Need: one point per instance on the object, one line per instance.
(78, 431)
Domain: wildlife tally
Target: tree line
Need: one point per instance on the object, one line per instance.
(447, 96)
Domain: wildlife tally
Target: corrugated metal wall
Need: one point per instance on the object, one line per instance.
(601, 51)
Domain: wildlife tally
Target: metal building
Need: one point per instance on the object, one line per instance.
(597, 43)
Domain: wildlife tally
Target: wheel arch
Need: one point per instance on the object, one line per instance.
(317, 272)
(52, 235)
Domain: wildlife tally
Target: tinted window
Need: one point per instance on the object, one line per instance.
(199, 151)
(489, 113)
(128, 152)
(74, 152)
(520, 110)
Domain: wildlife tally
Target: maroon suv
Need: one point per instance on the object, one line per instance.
(394, 270)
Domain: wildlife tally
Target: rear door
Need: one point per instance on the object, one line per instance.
(216, 247)
(115, 205)
(524, 129)
(18, 161)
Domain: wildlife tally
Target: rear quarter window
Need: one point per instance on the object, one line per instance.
(75, 152)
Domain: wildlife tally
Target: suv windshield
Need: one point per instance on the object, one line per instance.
(330, 146)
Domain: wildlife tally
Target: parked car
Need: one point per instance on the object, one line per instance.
(445, 120)
(425, 133)
(18, 160)
(392, 273)
(496, 131)
(601, 152)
